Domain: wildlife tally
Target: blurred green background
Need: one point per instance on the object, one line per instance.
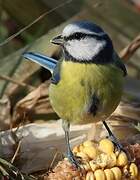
(114, 15)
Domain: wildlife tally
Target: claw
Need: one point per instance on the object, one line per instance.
(120, 148)
(73, 160)
(117, 143)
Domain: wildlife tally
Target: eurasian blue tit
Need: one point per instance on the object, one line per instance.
(87, 83)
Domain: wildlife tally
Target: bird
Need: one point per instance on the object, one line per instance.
(87, 82)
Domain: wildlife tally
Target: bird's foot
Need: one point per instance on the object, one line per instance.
(117, 144)
(120, 147)
(73, 160)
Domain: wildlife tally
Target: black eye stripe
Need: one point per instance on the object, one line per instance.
(76, 35)
(79, 35)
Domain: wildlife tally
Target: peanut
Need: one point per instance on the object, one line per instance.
(90, 176)
(117, 173)
(99, 174)
(90, 151)
(122, 159)
(106, 146)
(109, 174)
(133, 170)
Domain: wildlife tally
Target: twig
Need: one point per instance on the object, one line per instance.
(53, 160)
(9, 171)
(129, 50)
(33, 22)
(7, 78)
(4, 172)
(16, 152)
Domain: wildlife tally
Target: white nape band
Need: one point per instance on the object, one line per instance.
(72, 28)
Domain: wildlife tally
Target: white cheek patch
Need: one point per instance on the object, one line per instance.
(84, 49)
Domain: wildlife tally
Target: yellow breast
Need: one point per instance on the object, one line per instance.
(72, 96)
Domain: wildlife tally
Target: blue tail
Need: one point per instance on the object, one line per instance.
(44, 61)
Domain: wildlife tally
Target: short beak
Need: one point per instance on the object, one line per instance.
(58, 40)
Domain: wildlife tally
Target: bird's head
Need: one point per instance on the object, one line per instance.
(84, 41)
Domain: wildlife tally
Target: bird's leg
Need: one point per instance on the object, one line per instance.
(70, 155)
(116, 142)
(113, 138)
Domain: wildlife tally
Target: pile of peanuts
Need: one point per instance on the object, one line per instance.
(102, 161)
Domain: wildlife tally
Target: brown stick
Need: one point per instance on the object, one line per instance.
(33, 22)
(16, 152)
(7, 78)
(129, 50)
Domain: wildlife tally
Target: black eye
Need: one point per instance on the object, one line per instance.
(78, 36)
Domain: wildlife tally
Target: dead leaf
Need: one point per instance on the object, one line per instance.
(34, 104)
(5, 116)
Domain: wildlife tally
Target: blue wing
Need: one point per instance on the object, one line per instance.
(44, 61)
(118, 62)
(48, 63)
(56, 73)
